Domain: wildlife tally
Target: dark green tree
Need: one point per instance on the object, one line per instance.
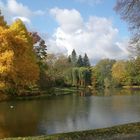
(80, 61)
(86, 62)
(69, 59)
(84, 76)
(74, 58)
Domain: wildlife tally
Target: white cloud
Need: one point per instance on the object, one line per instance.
(18, 8)
(24, 19)
(66, 20)
(97, 37)
(13, 9)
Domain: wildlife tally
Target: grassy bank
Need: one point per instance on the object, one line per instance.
(56, 91)
(45, 94)
(30, 95)
(121, 132)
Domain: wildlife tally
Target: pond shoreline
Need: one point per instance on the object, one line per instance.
(31, 95)
(124, 132)
(56, 91)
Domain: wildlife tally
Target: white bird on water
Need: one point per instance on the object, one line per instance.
(11, 106)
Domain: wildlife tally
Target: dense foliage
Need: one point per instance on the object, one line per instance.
(18, 65)
(110, 73)
(68, 71)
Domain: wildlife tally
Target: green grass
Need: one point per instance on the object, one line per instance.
(121, 131)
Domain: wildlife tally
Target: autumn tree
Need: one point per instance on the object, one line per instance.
(39, 46)
(18, 60)
(119, 72)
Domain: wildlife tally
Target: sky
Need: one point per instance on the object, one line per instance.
(88, 26)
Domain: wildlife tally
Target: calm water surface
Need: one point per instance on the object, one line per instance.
(69, 113)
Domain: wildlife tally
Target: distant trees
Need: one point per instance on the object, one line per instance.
(79, 74)
(86, 62)
(80, 61)
(110, 73)
(69, 70)
(57, 69)
(79, 77)
(101, 73)
(119, 72)
(127, 72)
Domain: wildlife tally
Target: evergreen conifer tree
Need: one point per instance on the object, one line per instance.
(80, 61)
(74, 58)
(86, 62)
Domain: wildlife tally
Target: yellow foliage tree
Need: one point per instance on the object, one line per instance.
(18, 65)
(119, 72)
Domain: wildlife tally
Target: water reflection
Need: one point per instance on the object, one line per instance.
(20, 120)
(69, 113)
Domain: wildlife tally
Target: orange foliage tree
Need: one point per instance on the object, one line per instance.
(18, 64)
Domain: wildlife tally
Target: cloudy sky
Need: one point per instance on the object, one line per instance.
(88, 26)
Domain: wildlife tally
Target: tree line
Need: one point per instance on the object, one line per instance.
(25, 64)
(109, 73)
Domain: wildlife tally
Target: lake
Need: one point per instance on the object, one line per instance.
(69, 113)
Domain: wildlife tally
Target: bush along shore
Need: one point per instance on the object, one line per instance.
(121, 132)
